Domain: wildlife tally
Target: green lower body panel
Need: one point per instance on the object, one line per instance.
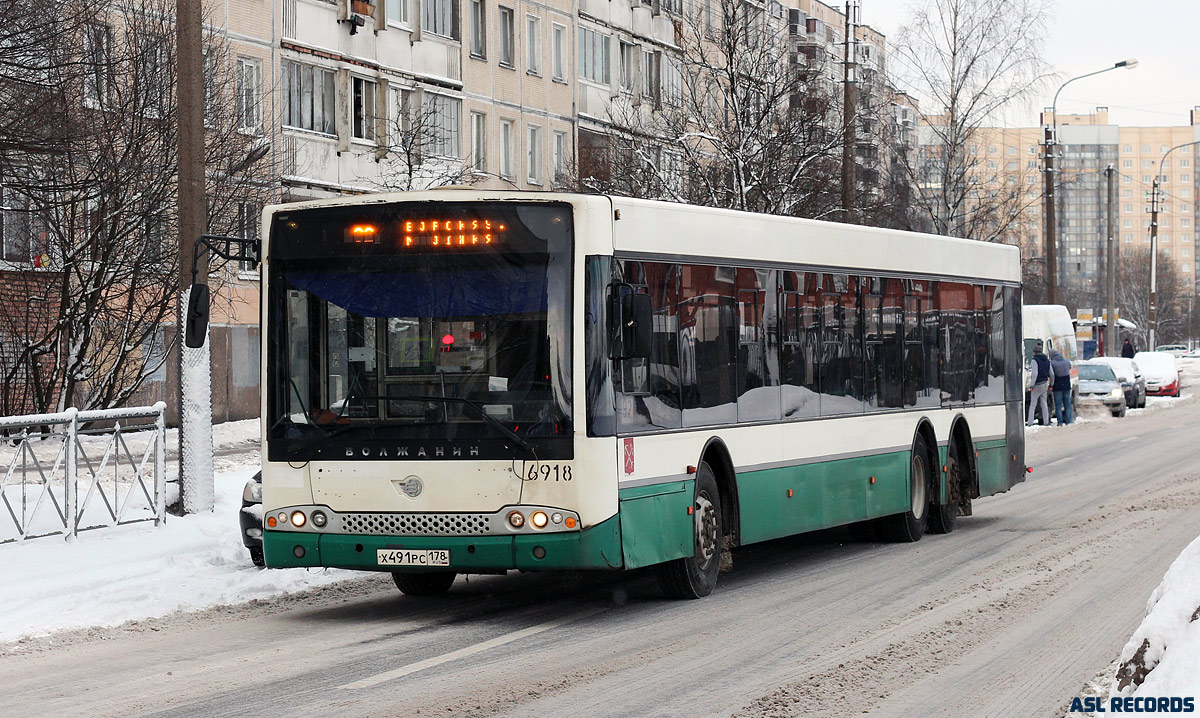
(597, 547)
(992, 465)
(655, 523)
(822, 495)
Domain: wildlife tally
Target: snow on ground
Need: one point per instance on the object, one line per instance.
(109, 576)
(1162, 658)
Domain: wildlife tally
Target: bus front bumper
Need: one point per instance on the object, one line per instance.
(597, 547)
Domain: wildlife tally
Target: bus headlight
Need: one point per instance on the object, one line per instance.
(318, 519)
(298, 519)
(539, 519)
(516, 519)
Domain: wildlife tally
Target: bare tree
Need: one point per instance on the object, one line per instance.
(733, 119)
(969, 60)
(415, 147)
(1133, 297)
(91, 210)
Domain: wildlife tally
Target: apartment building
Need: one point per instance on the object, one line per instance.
(1003, 159)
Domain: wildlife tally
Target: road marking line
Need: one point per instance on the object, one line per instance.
(1128, 439)
(1065, 458)
(468, 651)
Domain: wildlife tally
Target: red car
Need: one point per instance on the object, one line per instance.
(1161, 370)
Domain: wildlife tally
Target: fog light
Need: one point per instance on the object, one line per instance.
(539, 552)
(318, 519)
(556, 518)
(283, 517)
(539, 519)
(298, 551)
(298, 519)
(516, 520)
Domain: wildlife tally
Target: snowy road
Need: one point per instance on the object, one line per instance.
(1009, 615)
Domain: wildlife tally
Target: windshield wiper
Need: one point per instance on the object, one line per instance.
(478, 411)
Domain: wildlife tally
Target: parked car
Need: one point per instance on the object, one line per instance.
(250, 519)
(1098, 386)
(1131, 379)
(1176, 349)
(1161, 371)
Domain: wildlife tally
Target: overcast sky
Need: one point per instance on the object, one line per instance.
(1087, 35)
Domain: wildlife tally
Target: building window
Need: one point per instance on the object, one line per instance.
(478, 29)
(397, 12)
(561, 152)
(506, 139)
(559, 48)
(507, 37)
(364, 109)
(1185, 178)
(308, 97)
(479, 141)
(672, 82)
(443, 114)
(249, 94)
(533, 44)
(22, 232)
(534, 155)
(628, 58)
(1127, 149)
(649, 74)
(1184, 164)
(247, 228)
(440, 17)
(151, 66)
(593, 56)
(1127, 164)
(97, 53)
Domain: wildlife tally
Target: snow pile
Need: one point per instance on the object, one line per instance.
(112, 575)
(1162, 658)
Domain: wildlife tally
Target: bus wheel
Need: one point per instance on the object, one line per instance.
(942, 516)
(910, 525)
(696, 575)
(424, 584)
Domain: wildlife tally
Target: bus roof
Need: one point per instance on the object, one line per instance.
(656, 228)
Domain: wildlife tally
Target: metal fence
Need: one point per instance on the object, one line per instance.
(61, 477)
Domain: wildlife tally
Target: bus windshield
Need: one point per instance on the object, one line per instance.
(420, 331)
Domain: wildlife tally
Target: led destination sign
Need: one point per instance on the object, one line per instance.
(424, 233)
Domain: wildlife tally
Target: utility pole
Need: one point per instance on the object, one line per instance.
(1152, 318)
(1050, 249)
(1110, 333)
(196, 492)
(849, 110)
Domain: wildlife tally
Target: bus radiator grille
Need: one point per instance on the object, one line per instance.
(418, 524)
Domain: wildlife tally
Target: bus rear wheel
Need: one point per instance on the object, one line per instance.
(942, 516)
(424, 584)
(910, 525)
(695, 576)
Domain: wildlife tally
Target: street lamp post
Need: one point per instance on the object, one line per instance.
(1051, 140)
(1152, 316)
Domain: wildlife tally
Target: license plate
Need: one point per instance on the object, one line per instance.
(405, 557)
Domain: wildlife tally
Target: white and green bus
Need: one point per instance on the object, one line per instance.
(468, 381)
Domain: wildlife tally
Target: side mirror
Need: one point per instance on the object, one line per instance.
(638, 328)
(196, 321)
(632, 323)
(1123, 379)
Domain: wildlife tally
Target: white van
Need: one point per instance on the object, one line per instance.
(1051, 323)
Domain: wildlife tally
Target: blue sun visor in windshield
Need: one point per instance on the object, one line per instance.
(461, 293)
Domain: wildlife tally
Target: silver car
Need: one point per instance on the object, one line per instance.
(1098, 386)
(1131, 378)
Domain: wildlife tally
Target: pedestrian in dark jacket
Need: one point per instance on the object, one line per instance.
(1039, 378)
(1127, 350)
(1062, 387)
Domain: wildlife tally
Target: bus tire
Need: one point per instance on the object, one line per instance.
(910, 525)
(942, 516)
(696, 576)
(424, 584)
